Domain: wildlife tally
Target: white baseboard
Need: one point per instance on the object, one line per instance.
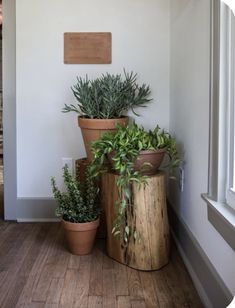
(210, 287)
(36, 210)
(38, 220)
(200, 290)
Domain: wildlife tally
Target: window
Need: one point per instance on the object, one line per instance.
(226, 107)
(222, 154)
(230, 30)
(221, 184)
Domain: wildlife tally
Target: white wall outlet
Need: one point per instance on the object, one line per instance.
(181, 178)
(70, 162)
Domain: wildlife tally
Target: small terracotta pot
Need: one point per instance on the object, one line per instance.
(80, 236)
(147, 162)
(93, 129)
(153, 160)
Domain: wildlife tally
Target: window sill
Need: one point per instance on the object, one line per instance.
(222, 218)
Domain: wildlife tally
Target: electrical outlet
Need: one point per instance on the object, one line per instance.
(181, 178)
(70, 163)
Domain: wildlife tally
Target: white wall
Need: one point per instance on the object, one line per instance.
(140, 32)
(189, 121)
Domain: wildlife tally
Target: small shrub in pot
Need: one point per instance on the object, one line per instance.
(78, 208)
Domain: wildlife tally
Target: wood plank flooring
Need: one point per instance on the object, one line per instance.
(36, 270)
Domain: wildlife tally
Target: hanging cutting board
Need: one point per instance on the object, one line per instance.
(87, 47)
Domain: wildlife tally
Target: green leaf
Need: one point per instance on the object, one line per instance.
(116, 233)
(127, 230)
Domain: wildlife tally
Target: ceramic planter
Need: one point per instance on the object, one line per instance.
(147, 162)
(80, 236)
(93, 129)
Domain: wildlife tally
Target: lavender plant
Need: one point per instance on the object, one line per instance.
(108, 96)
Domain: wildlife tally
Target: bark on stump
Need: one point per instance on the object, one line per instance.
(150, 251)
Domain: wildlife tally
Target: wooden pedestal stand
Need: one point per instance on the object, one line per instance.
(81, 167)
(149, 215)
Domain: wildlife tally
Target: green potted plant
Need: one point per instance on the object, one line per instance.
(103, 103)
(134, 154)
(78, 210)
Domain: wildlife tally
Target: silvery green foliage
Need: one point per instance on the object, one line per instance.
(109, 96)
(78, 202)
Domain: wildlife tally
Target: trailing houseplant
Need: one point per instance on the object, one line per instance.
(78, 209)
(103, 103)
(128, 150)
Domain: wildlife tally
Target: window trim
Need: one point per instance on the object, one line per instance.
(220, 215)
(230, 193)
(214, 97)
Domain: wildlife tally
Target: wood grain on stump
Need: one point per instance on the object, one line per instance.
(150, 251)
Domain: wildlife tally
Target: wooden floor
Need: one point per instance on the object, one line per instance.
(37, 271)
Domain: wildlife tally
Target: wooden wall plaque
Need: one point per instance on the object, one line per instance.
(87, 47)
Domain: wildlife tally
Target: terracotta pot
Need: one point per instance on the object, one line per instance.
(153, 160)
(93, 129)
(80, 236)
(148, 161)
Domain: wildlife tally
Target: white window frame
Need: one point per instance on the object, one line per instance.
(220, 196)
(221, 167)
(226, 192)
(230, 187)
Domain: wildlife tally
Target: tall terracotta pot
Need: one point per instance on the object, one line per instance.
(80, 236)
(93, 129)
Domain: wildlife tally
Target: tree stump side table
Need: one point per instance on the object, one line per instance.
(149, 214)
